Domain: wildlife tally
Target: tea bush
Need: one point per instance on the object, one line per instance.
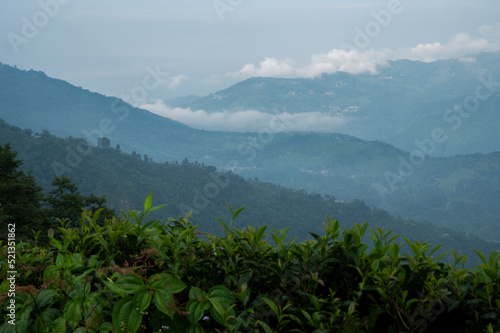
(129, 275)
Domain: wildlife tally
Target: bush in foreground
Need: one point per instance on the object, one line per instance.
(131, 276)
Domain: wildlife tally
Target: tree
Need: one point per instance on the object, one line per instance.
(103, 142)
(28, 132)
(65, 202)
(19, 196)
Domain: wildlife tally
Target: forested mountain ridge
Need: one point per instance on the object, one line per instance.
(126, 179)
(33, 100)
(405, 101)
(459, 192)
(456, 192)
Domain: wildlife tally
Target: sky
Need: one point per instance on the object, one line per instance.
(151, 50)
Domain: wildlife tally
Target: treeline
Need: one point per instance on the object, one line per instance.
(33, 212)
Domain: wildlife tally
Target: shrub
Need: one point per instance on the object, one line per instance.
(129, 275)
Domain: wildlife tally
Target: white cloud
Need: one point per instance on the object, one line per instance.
(270, 67)
(468, 59)
(250, 120)
(485, 29)
(367, 61)
(492, 32)
(324, 63)
(338, 60)
(459, 46)
(176, 80)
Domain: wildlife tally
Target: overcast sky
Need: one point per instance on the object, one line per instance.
(110, 46)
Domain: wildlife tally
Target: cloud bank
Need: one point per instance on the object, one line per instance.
(462, 46)
(174, 81)
(367, 61)
(250, 120)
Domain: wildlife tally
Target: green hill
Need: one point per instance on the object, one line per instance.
(455, 192)
(126, 179)
(459, 192)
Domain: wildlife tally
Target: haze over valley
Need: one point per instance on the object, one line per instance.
(418, 183)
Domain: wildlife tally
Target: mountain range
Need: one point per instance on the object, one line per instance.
(403, 103)
(458, 192)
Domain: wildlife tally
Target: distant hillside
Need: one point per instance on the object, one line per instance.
(175, 102)
(406, 101)
(456, 192)
(32, 100)
(126, 180)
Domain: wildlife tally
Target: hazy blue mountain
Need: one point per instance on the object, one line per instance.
(457, 192)
(179, 101)
(32, 100)
(406, 101)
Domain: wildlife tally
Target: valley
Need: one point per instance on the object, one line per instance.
(456, 192)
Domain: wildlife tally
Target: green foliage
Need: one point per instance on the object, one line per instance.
(137, 275)
(118, 177)
(234, 214)
(19, 196)
(103, 142)
(23, 205)
(65, 202)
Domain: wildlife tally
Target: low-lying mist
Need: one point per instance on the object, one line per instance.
(250, 120)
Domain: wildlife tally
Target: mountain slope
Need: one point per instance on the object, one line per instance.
(434, 189)
(404, 102)
(126, 180)
(32, 100)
